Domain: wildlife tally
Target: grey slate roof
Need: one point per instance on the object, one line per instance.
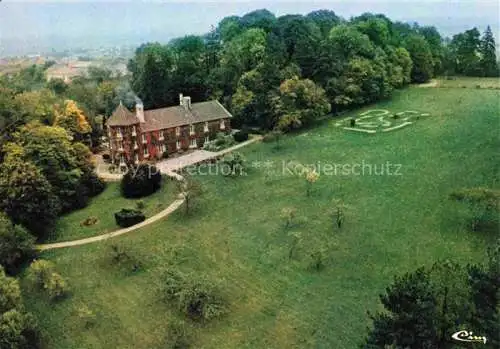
(122, 117)
(158, 119)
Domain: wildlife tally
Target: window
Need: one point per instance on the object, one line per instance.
(119, 132)
(144, 138)
(178, 145)
(222, 125)
(177, 131)
(191, 129)
(145, 151)
(120, 145)
(207, 139)
(193, 143)
(136, 158)
(162, 148)
(205, 129)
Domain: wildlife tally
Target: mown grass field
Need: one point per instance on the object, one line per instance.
(469, 82)
(103, 207)
(236, 236)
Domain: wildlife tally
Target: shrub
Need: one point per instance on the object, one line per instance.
(241, 136)
(140, 181)
(233, 164)
(140, 205)
(44, 277)
(129, 217)
(16, 244)
(123, 258)
(112, 168)
(165, 155)
(177, 336)
(86, 315)
(352, 122)
(197, 298)
(92, 220)
(220, 142)
(56, 287)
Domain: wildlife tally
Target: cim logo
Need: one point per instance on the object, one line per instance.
(466, 336)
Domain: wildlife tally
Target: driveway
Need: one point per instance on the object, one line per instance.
(174, 164)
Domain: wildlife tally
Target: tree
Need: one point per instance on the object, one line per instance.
(311, 177)
(485, 290)
(435, 42)
(15, 244)
(324, 19)
(487, 50)
(37, 105)
(421, 57)
(51, 150)
(422, 309)
(152, 71)
(43, 276)
(190, 190)
(27, 196)
(425, 307)
(465, 48)
(73, 120)
(301, 103)
(18, 329)
(350, 42)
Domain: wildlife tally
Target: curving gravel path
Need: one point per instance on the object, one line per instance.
(169, 171)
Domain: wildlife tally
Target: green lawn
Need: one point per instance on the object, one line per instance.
(394, 224)
(104, 206)
(469, 82)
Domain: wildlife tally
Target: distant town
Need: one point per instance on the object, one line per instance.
(68, 64)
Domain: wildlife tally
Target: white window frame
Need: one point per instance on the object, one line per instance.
(191, 129)
(205, 129)
(222, 124)
(162, 148)
(193, 143)
(145, 151)
(177, 131)
(144, 138)
(178, 144)
(207, 139)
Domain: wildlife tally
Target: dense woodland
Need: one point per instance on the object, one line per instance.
(271, 73)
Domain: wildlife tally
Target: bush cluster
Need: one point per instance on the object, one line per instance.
(128, 217)
(196, 297)
(44, 277)
(241, 136)
(140, 181)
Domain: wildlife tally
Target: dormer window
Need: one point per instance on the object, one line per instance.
(205, 129)
(191, 129)
(222, 125)
(177, 131)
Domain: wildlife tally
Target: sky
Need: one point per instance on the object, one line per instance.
(29, 26)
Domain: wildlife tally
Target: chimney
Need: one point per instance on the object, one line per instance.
(181, 99)
(139, 111)
(187, 103)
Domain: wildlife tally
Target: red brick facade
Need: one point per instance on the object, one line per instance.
(128, 146)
